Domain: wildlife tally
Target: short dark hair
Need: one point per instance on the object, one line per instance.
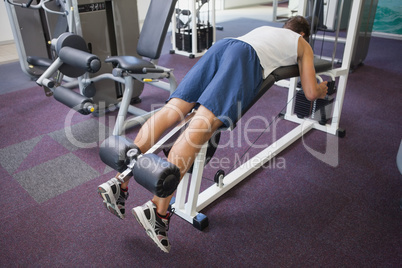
(298, 24)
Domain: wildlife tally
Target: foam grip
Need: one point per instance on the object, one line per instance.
(83, 60)
(157, 175)
(73, 100)
(113, 152)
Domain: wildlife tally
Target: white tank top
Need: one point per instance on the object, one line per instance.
(275, 47)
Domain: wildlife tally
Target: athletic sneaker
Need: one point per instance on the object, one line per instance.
(155, 226)
(114, 198)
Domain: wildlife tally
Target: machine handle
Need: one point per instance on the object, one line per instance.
(152, 70)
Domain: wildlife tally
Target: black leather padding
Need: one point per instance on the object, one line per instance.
(155, 27)
(78, 62)
(72, 50)
(72, 99)
(70, 40)
(286, 72)
(39, 61)
(113, 152)
(80, 59)
(157, 175)
(130, 63)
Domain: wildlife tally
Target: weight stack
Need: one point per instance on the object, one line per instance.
(204, 38)
(303, 107)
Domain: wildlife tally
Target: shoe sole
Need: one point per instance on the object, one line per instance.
(109, 201)
(143, 221)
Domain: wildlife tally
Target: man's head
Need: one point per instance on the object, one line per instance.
(299, 25)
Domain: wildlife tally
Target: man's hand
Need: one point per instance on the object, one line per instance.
(322, 89)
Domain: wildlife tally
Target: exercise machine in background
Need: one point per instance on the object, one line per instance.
(100, 51)
(193, 26)
(126, 70)
(109, 28)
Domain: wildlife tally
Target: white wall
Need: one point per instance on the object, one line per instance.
(241, 3)
(142, 9)
(6, 35)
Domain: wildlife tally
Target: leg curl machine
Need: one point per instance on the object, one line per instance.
(161, 177)
(127, 69)
(189, 201)
(73, 60)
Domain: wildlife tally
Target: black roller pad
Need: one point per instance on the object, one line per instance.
(72, 99)
(157, 175)
(113, 152)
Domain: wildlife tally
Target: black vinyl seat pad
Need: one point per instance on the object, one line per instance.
(130, 63)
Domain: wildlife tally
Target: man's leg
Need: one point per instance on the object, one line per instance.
(115, 193)
(201, 128)
(173, 112)
(153, 215)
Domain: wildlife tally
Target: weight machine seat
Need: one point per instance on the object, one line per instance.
(152, 37)
(130, 63)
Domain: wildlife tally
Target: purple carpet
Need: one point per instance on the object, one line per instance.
(296, 211)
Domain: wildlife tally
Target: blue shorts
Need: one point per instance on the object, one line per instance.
(225, 80)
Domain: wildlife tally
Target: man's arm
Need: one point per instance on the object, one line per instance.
(305, 60)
